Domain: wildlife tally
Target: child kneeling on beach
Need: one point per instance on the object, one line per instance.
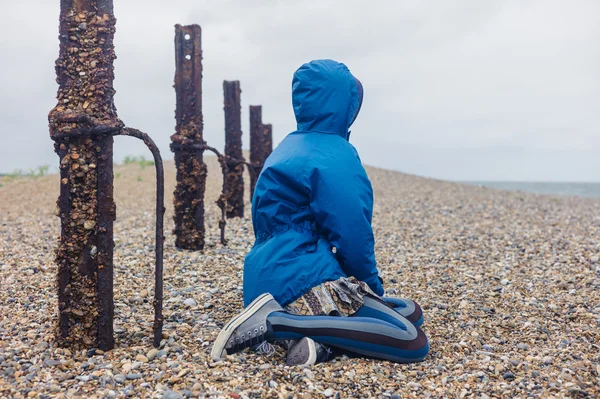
(311, 278)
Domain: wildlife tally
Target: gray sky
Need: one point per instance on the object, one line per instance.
(461, 90)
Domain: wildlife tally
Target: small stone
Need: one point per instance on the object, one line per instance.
(508, 375)
(89, 224)
(328, 392)
(504, 282)
(535, 374)
(83, 378)
(190, 302)
(161, 353)
(141, 358)
(488, 348)
(272, 384)
(168, 394)
(82, 26)
(134, 376)
(42, 345)
(127, 367)
(208, 305)
(152, 353)
(522, 346)
(548, 360)
(183, 373)
(120, 378)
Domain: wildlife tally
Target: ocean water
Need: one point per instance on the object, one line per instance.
(590, 190)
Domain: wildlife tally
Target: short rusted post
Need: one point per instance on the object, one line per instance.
(191, 169)
(82, 124)
(261, 143)
(267, 140)
(233, 149)
(255, 144)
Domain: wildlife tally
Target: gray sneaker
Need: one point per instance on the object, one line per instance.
(307, 352)
(247, 329)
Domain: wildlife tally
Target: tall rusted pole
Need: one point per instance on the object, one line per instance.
(255, 144)
(82, 124)
(191, 169)
(233, 149)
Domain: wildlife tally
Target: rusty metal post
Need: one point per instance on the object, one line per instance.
(255, 144)
(261, 144)
(85, 76)
(233, 149)
(191, 169)
(82, 126)
(267, 141)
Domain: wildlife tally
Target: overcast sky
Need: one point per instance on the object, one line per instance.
(460, 90)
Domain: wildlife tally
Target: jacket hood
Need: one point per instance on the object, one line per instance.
(326, 97)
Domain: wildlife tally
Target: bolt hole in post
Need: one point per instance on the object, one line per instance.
(187, 37)
(188, 57)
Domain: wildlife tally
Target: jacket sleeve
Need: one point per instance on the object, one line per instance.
(341, 200)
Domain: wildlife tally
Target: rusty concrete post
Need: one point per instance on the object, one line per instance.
(191, 169)
(233, 149)
(82, 124)
(255, 144)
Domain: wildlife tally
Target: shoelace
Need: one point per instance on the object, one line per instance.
(326, 355)
(265, 348)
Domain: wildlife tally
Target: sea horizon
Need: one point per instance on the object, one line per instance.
(572, 189)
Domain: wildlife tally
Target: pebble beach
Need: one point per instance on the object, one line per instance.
(509, 283)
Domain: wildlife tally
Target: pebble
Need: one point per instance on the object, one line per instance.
(522, 346)
(120, 378)
(141, 358)
(508, 375)
(328, 392)
(272, 384)
(548, 360)
(189, 302)
(168, 394)
(152, 353)
(134, 376)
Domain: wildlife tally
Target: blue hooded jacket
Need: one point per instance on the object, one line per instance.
(313, 195)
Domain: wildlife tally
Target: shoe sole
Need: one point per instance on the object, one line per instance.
(219, 346)
(312, 354)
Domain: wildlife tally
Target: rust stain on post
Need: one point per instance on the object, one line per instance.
(85, 76)
(191, 169)
(233, 149)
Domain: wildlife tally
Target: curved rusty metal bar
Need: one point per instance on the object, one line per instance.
(160, 239)
(223, 160)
